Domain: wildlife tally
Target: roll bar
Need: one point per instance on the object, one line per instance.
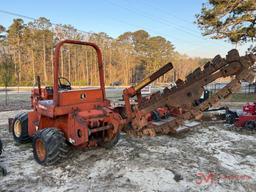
(56, 60)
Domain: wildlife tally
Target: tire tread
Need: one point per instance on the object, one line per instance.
(55, 144)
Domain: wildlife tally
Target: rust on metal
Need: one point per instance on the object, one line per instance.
(181, 98)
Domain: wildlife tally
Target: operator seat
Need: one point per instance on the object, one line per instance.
(46, 103)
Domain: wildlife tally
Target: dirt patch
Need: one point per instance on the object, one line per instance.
(209, 158)
(16, 101)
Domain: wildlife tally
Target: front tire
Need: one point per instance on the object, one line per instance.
(49, 146)
(20, 128)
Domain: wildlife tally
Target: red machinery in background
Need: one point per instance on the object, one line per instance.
(247, 120)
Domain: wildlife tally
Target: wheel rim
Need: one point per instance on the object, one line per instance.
(40, 150)
(17, 128)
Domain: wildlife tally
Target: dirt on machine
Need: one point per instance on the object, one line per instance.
(62, 118)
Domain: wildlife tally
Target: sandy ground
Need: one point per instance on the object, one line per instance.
(16, 101)
(209, 158)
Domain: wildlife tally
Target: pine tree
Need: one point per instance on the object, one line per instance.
(234, 20)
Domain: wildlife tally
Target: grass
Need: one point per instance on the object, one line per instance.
(242, 97)
(15, 97)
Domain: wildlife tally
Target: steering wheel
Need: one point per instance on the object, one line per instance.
(64, 86)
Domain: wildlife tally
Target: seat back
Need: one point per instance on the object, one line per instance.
(73, 97)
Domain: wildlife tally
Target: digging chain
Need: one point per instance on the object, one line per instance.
(186, 92)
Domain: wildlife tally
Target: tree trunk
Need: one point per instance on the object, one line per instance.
(33, 66)
(110, 64)
(91, 71)
(19, 59)
(45, 68)
(95, 71)
(52, 51)
(76, 61)
(126, 72)
(87, 68)
(6, 95)
(15, 65)
(62, 63)
(83, 67)
(69, 65)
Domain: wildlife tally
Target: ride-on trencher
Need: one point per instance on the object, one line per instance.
(62, 116)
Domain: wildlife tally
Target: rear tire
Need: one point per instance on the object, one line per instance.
(231, 117)
(250, 125)
(49, 146)
(112, 143)
(20, 128)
